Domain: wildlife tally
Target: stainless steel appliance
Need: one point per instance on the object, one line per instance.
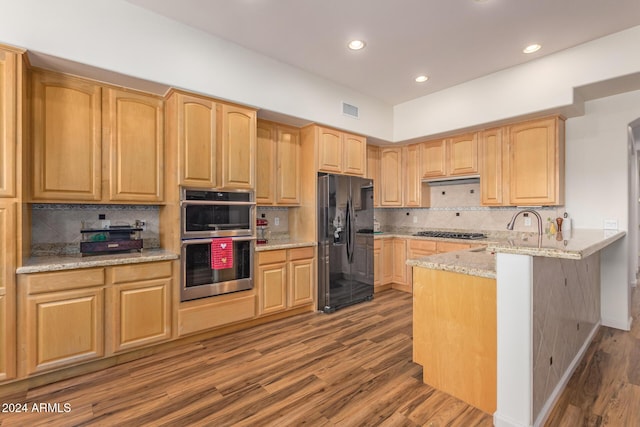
(345, 246)
(209, 220)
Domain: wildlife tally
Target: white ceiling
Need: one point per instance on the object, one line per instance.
(452, 41)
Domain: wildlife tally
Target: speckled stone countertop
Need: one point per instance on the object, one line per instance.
(71, 262)
(479, 262)
(579, 245)
(275, 244)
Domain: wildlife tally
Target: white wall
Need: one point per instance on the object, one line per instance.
(539, 85)
(597, 188)
(121, 37)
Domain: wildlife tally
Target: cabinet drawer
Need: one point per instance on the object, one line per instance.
(137, 272)
(271, 257)
(422, 245)
(203, 317)
(58, 281)
(300, 253)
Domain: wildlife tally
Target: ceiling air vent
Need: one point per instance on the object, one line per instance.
(349, 110)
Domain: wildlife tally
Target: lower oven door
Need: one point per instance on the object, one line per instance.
(200, 279)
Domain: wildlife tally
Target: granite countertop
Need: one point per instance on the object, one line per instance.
(474, 262)
(70, 262)
(580, 244)
(275, 244)
(482, 262)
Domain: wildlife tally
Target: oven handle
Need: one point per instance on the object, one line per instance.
(186, 242)
(209, 203)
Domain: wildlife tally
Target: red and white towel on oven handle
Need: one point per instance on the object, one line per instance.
(222, 253)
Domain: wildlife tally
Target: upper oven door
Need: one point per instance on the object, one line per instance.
(217, 214)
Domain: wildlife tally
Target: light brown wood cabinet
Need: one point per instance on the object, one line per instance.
(387, 262)
(139, 305)
(278, 164)
(67, 138)
(456, 156)
(340, 152)
(377, 265)
(133, 140)
(536, 162)
(74, 316)
(60, 318)
(80, 128)
(400, 264)
(7, 289)
(492, 149)
(238, 147)
(414, 196)
(373, 172)
(192, 121)
(285, 279)
(417, 248)
(391, 176)
(9, 97)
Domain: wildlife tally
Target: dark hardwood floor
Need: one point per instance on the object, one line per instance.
(349, 368)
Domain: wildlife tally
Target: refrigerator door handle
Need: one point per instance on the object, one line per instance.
(349, 231)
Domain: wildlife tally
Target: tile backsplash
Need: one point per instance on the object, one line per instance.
(271, 214)
(56, 227)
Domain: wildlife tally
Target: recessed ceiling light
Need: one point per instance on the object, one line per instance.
(356, 44)
(531, 48)
(422, 79)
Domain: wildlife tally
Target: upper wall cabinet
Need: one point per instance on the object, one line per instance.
(536, 162)
(9, 101)
(133, 143)
(373, 171)
(413, 194)
(492, 150)
(69, 116)
(455, 156)
(66, 120)
(238, 146)
(391, 176)
(277, 164)
(341, 152)
(192, 120)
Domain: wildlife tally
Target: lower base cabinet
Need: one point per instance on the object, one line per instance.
(75, 316)
(285, 279)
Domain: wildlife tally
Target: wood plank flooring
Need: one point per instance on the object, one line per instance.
(349, 368)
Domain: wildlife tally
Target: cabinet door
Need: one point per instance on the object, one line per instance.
(412, 183)
(66, 120)
(433, 157)
(134, 146)
(536, 163)
(399, 261)
(387, 261)
(301, 280)
(355, 154)
(329, 150)
(238, 147)
(491, 172)
(142, 315)
(8, 122)
(62, 329)
(463, 155)
(373, 171)
(196, 129)
(265, 163)
(391, 176)
(377, 263)
(288, 166)
(7, 290)
(272, 285)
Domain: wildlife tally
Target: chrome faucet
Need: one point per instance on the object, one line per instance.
(513, 220)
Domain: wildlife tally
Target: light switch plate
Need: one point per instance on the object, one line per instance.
(276, 220)
(527, 222)
(415, 219)
(610, 224)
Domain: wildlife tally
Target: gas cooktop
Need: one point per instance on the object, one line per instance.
(451, 235)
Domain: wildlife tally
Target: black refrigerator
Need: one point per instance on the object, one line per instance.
(345, 241)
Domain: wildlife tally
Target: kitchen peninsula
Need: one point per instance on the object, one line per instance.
(513, 320)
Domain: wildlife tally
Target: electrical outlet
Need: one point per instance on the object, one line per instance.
(610, 224)
(276, 220)
(415, 219)
(527, 222)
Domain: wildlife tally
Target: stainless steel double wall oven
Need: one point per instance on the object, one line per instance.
(207, 215)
